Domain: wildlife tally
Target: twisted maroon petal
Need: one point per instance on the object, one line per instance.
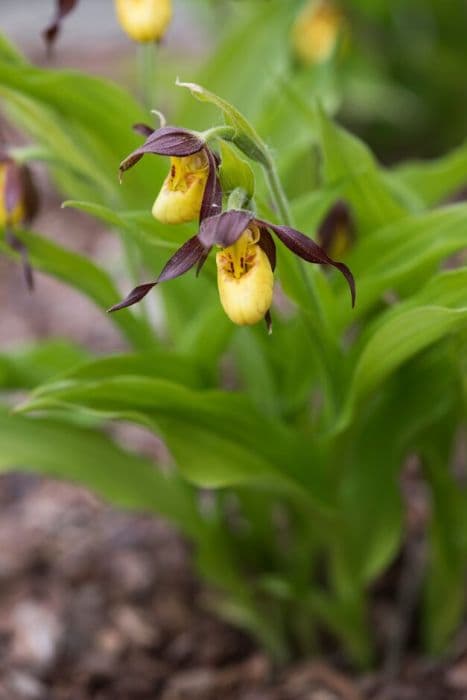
(310, 251)
(182, 260)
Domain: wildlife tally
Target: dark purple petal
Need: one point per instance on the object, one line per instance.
(212, 197)
(310, 251)
(64, 7)
(166, 141)
(133, 297)
(337, 220)
(268, 320)
(224, 229)
(266, 242)
(143, 129)
(183, 260)
(18, 245)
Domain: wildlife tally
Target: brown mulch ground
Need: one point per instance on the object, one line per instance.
(100, 604)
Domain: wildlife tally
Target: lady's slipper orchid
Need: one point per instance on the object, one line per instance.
(18, 204)
(245, 262)
(316, 31)
(336, 232)
(144, 20)
(191, 189)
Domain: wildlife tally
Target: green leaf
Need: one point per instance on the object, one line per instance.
(393, 343)
(26, 367)
(436, 179)
(347, 160)
(401, 254)
(81, 274)
(218, 439)
(245, 136)
(89, 458)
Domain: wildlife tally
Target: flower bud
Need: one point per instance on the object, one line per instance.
(316, 31)
(181, 195)
(18, 195)
(245, 279)
(144, 20)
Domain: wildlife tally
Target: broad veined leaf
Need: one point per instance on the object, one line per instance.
(90, 458)
(416, 399)
(434, 180)
(393, 343)
(140, 226)
(26, 367)
(97, 114)
(217, 438)
(83, 275)
(348, 160)
(156, 363)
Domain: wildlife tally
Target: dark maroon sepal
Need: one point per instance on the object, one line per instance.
(16, 244)
(310, 251)
(268, 321)
(64, 7)
(182, 260)
(224, 229)
(212, 197)
(166, 141)
(133, 297)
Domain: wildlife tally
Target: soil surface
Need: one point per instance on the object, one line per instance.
(100, 604)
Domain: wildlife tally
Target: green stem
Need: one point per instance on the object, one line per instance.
(218, 132)
(147, 71)
(316, 322)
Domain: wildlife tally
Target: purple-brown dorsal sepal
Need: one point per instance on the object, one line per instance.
(266, 242)
(224, 229)
(166, 141)
(181, 261)
(133, 297)
(63, 8)
(212, 197)
(16, 244)
(310, 251)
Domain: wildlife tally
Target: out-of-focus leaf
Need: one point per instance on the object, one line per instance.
(83, 275)
(434, 180)
(89, 458)
(403, 253)
(393, 343)
(218, 439)
(26, 367)
(348, 161)
(156, 363)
